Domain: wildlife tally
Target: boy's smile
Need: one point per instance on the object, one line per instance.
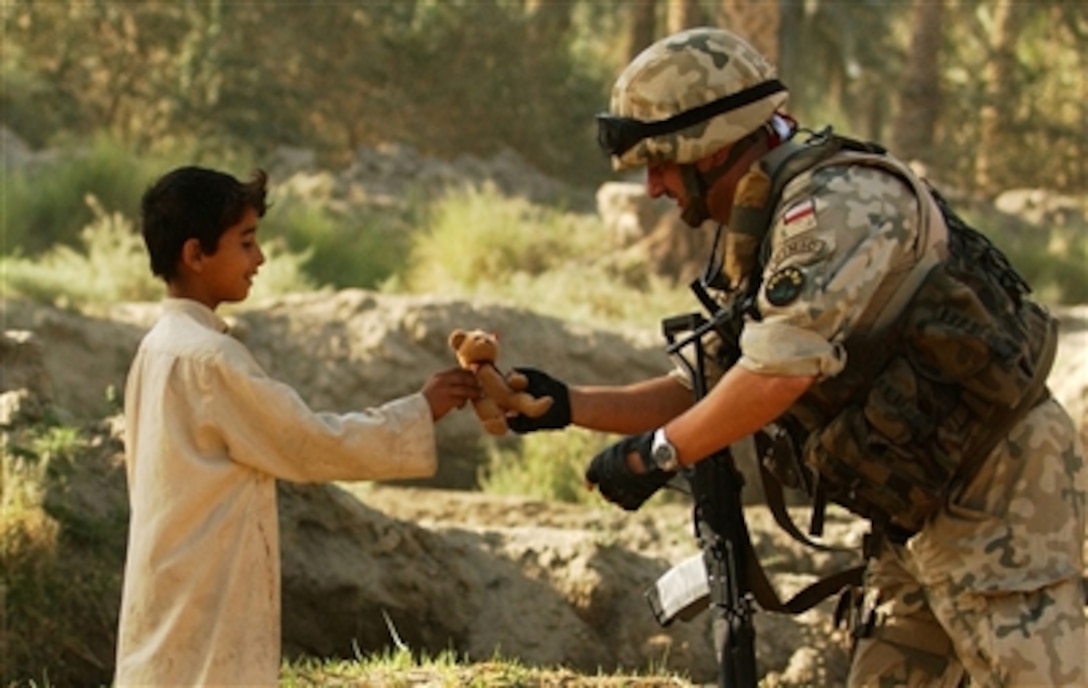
(227, 274)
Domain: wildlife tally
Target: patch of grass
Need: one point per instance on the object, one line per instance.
(477, 236)
(544, 465)
(400, 669)
(108, 264)
(477, 243)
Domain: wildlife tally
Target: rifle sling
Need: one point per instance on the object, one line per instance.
(776, 502)
(807, 598)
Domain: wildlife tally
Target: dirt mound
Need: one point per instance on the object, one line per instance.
(442, 568)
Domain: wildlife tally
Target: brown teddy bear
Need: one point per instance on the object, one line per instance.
(478, 350)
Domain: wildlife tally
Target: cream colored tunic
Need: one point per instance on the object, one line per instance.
(208, 433)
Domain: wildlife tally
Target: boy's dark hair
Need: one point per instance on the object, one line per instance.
(194, 203)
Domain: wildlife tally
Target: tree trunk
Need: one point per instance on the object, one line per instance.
(1000, 80)
(549, 20)
(919, 93)
(643, 28)
(756, 21)
(684, 14)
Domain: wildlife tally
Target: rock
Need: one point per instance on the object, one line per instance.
(1068, 379)
(26, 390)
(627, 212)
(1043, 207)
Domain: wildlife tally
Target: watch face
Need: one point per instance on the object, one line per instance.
(664, 453)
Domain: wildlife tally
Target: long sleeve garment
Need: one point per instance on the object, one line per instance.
(208, 433)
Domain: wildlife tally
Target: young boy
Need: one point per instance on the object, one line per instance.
(208, 433)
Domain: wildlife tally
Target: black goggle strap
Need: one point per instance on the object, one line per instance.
(617, 135)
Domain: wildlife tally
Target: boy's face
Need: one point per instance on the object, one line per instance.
(227, 274)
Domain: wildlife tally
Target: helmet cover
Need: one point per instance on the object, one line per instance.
(684, 71)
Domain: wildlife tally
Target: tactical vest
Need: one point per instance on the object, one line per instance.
(945, 360)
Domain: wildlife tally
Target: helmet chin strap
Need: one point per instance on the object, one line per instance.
(696, 183)
(695, 211)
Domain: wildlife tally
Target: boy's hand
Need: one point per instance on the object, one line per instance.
(450, 389)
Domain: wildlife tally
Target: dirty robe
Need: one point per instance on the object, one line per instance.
(208, 433)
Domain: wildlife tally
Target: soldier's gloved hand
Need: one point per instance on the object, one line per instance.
(540, 384)
(617, 482)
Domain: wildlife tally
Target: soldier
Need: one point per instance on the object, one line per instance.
(896, 339)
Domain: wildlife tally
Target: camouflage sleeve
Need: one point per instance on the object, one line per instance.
(835, 236)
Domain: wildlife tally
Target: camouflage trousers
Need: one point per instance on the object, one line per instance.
(989, 593)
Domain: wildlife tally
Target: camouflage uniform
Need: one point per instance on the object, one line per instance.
(991, 585)
(995, 576)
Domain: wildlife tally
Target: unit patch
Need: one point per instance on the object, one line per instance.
(784, 286)
(803, 250)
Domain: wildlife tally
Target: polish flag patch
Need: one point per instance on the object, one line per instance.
(800, 211)
(799, 218)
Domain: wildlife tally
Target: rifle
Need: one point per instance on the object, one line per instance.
(716, 577)
(727, 576)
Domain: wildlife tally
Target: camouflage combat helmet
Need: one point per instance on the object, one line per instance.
(687, 96)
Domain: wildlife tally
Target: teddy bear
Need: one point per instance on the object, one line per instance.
(478, 350)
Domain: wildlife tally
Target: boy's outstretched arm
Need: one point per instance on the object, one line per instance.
(449, 389)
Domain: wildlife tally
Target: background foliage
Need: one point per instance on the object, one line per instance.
(995, 79)
(120, 91)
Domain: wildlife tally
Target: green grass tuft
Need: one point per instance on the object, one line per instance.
(545, 465)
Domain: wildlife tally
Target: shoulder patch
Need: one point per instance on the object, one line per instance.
(802, 250)
(783, 287)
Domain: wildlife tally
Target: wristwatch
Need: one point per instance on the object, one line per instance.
(663, 453)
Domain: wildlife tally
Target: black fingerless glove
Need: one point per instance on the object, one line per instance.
(540, 384)
(619, 484)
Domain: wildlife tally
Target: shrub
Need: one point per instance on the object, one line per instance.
(1050, 258)
(545, 465)
(477, 243)
(43, 205)
(477, 236)
(359, 250)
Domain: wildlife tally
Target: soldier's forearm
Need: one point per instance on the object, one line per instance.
(742, 403)
(629, 409)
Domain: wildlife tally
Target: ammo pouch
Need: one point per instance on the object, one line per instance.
(934, 392)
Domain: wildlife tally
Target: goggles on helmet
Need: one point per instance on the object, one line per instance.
(617, 135)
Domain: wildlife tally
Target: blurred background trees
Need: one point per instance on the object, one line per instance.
(965, 87)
